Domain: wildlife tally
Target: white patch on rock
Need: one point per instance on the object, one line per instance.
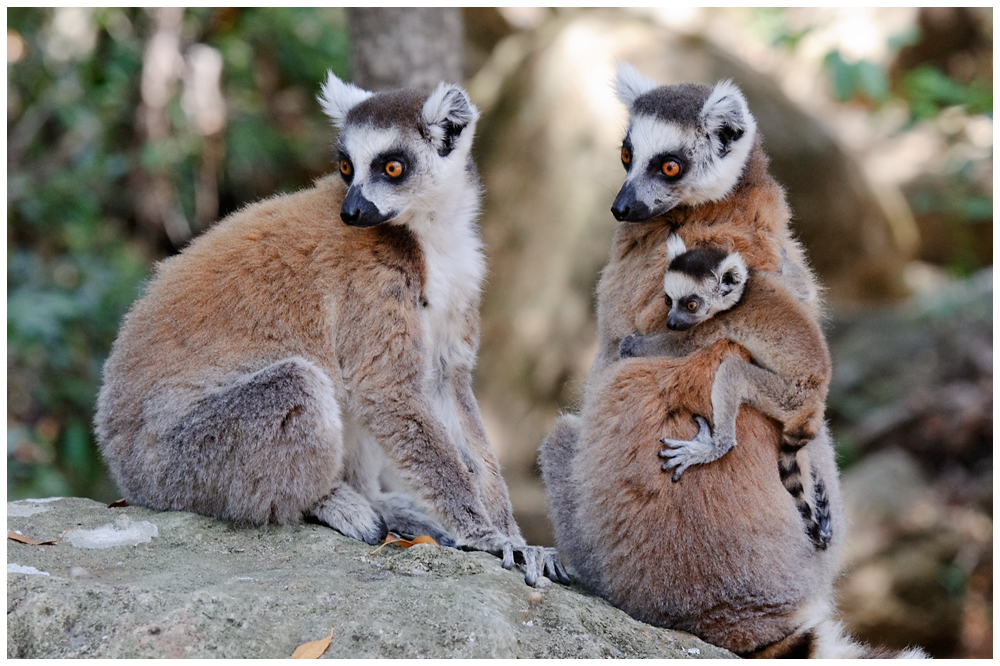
(123, 532)
(21, 569)
(28, 507)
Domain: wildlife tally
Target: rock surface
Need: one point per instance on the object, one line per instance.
(135, 583)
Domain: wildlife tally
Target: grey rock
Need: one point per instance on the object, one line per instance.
(201, 588)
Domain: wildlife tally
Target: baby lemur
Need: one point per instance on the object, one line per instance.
(311, 355)
(721, 554)
(712, 295)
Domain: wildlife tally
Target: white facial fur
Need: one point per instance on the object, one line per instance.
(713, 167)
(716, 295)
(433, 182)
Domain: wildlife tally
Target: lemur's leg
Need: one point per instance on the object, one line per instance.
(555, 458)
(404, 517)
(263, 448)
(736, 381)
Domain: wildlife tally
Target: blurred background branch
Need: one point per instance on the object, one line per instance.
(129, 131)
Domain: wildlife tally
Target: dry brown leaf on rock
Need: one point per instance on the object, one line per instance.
(15, 536)
(313, 649)
(117, 504)
(405, 543)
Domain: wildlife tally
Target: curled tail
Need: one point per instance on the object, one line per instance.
(819, 527)
(827, 640)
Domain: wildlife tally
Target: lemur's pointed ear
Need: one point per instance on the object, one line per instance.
(630, 84)
(732, 272)
(448, 113)
(337, 98)
(726, 116)
(675, 247)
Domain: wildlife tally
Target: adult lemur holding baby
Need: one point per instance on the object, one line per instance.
(722, 551)
(311, 355)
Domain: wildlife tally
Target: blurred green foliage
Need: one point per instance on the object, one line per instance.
(940, 85)
(78, 248)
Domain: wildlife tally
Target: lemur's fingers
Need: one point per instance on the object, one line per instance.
(554, 569)
(702, 424)
(508, 556)
(532, 565)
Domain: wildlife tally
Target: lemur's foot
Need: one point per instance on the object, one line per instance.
(537, 561)
(346, 511)
(683, 453)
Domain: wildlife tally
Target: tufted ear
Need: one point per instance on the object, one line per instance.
(337, 98)
(447, 113)
(675, 247)
(732, 275)
(630, 84)
(726, 116)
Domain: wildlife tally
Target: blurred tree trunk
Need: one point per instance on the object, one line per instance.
(405, 48)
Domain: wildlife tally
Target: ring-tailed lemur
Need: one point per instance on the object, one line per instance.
(312, 354)
(691, 555)
(711, 295)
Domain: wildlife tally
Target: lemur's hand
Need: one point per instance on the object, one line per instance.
(632, 346)
(537, 561)
(683, 453)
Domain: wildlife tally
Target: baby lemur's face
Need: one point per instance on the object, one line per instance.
(701, 283)
(398, 151)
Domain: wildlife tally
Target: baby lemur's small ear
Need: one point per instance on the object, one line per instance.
(630, 84)
(726, 116)
(675, 247)
(732, 272)
(337, 98)
(447, 114)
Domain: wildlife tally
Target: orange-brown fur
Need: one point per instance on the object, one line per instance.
(704, 553)
(752, 220)
(286, 278)
(721, 553)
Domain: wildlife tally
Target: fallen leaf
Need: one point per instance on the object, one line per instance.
(313, 649)
(14, 536)
(405, 543)
(117, 504)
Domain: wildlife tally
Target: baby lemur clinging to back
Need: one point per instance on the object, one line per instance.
(712, 295)
(311, 355)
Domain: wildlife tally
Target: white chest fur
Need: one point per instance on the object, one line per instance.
(454, 272)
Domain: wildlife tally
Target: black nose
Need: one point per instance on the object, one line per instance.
(679, 324)
(620, 213)
(627, 208)
(357, 211)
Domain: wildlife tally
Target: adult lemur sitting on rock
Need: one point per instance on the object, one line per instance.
(312, 354)
(722, 552)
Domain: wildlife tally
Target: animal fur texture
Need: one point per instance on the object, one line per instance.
(311, 355)
(720, 553)
(713, 297)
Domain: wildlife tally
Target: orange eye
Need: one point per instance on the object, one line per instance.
(671, 169)
(692, 306)
(345, 168)
(626, 156)
(394, 169)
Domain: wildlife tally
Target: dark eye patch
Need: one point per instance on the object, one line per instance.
(656, 166)
(379, 163)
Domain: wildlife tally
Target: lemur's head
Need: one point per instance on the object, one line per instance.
(700, 283)
(686, 144)
(399, 150)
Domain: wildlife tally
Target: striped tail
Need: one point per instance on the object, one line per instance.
(819, 527)
(827, 640)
